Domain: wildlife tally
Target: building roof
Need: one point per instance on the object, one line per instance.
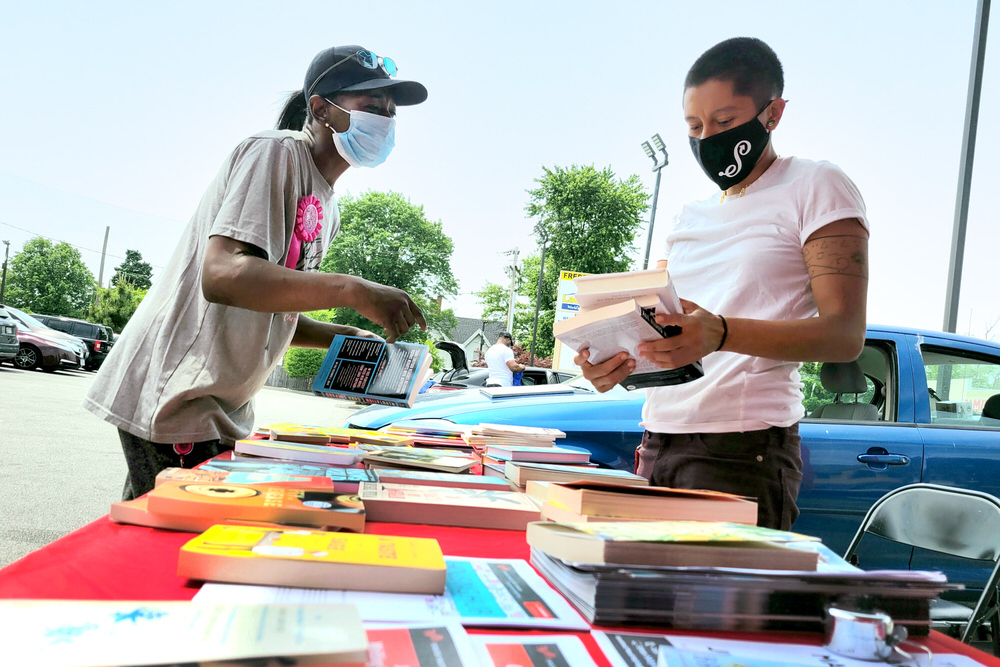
(468, 327)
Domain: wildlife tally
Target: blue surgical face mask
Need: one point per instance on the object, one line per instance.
(368, 141)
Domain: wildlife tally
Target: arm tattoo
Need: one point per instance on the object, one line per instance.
(837, 255)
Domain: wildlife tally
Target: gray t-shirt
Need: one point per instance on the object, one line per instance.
(184, 369)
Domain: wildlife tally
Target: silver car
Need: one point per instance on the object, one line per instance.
(8, 336)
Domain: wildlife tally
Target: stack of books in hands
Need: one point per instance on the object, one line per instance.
(618, 312)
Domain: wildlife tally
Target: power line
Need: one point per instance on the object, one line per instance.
(78, 247)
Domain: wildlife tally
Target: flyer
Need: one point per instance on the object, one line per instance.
(630, 649)
(547, 650)
(420, 645)
(480, 592)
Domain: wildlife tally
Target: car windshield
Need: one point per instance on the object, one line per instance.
(27, 319)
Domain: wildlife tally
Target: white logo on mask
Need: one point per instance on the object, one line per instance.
(741, 148)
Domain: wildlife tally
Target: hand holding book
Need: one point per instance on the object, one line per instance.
(701, 334)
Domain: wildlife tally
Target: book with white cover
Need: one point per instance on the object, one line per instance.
(72, 633)
(621, 327)
(603, 289)
(301, 452)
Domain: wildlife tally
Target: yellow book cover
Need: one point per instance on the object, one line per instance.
(306, 507)
(315, 559)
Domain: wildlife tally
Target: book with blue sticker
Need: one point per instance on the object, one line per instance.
(370, 370)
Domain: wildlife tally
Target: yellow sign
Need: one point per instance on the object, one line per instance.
(569, 275)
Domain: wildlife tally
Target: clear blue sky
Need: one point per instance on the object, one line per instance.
(121, 113)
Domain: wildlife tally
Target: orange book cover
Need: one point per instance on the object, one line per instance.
(306, 507)
(136, 513)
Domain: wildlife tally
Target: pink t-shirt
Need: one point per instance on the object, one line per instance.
(743, 258)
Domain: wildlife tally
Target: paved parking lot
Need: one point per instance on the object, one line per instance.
(61, 467)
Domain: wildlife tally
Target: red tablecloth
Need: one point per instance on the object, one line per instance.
(108, 561)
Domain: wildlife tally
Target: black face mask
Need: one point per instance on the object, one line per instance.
(729, 157)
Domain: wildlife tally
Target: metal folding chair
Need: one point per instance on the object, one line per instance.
(949, 520)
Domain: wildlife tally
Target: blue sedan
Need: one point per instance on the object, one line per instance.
(930, 412)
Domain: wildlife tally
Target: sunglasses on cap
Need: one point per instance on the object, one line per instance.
(368, 60)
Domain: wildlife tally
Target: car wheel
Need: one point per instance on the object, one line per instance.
(27, 357)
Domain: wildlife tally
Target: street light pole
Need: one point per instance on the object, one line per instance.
(544, 236)
(657, 166)
(3, 281)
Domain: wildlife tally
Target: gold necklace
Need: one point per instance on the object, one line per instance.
(743, 191)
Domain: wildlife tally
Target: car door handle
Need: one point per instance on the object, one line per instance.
(884, 459)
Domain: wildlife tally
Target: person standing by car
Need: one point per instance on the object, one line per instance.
(775, 267)
(179, 383)
(500, 361)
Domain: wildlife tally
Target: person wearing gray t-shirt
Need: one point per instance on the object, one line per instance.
(179, 382)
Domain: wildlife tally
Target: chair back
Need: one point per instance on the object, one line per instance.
(949, 520)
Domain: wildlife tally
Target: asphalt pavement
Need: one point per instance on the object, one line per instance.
(61, 467)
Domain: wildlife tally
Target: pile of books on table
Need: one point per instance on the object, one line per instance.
(694, 559)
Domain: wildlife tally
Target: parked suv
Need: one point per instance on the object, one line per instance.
(97, 336)
(8, 337)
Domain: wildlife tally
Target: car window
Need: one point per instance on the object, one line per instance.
(963, 389)
(877, 362)
(25, 318)
(83, 330)
(59, 325)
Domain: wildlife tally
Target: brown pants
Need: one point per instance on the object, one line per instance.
(765, 465)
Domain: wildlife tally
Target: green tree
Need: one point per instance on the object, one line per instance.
(116, 305)
(387, 239)
(590, 219)
(303, 362)
(134, 270)
(49, 278)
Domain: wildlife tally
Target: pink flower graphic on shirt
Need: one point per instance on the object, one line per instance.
(308, 214)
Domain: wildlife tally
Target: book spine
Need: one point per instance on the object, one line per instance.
(349, 396)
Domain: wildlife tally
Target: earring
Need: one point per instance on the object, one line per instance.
(770, 123)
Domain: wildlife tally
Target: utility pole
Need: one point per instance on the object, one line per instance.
(657, 166)
(543, 235)
(100, 275)
(951, 296)
(513, 287)
(3, 281)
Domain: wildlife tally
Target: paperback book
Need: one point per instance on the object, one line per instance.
(136, 513)
(621, 327)
(209, 476)
(343, 480)
(314, 559)
(444, 479)
(299, 451)
(673, 544)
(522, 472)
(370, 370)
(416, 457)
(649, 503)
(220, 502)
(550, 454)
(471, 508)
(85, 633)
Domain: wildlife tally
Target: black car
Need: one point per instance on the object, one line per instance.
(460, 376)
(99, 338)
